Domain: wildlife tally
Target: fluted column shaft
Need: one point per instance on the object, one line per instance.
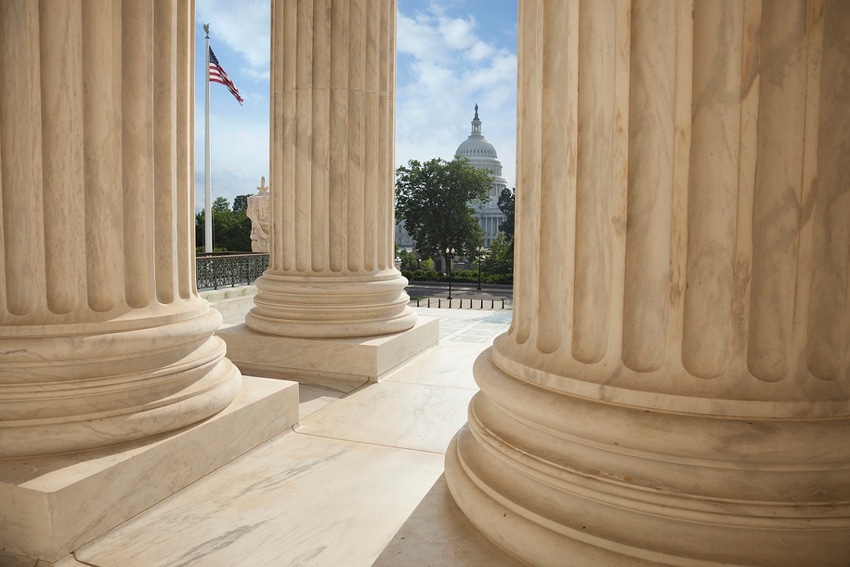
(331, 268)
(686, 396)
(103, 338)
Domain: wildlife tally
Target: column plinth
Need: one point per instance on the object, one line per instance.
(332, 307)
(683, 398)
(136, 380)
(103, 337)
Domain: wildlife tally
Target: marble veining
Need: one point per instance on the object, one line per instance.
(334, 492)
(284, 503)
(690, 272)
(423, 417)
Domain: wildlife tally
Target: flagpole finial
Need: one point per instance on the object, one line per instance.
(207, 30)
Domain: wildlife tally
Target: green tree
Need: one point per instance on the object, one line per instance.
(408, 260)
(231, 228)
(240, 204)
(220, 205)
(500, 258)
(507, 204)
(434, 200)
(199, 231)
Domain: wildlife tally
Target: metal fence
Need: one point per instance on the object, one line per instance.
(223, 270)
(460, 303)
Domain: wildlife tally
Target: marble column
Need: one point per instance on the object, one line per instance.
(103, 337)
(331, 270)
(675, 385)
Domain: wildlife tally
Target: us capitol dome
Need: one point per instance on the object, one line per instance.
(482, 155)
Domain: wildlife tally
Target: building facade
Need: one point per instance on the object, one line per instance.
(482, 155)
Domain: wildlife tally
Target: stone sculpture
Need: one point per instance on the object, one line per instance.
(258, 212)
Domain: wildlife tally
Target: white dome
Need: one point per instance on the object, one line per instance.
(480, 153)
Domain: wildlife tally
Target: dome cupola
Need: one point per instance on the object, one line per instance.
(480, 153)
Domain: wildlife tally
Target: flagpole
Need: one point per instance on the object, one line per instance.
(208, 233)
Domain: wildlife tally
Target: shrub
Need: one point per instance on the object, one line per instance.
(425, 276)
(469, 276)
(506, 279)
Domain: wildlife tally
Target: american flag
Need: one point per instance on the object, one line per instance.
(217, 75)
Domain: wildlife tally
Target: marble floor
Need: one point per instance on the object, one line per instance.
(358, 482)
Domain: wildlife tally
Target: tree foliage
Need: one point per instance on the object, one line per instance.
(500, 258)
(240, 204)
(434, 200)
(409, 262)
(231, 228)
(507, 203)
(220, 205)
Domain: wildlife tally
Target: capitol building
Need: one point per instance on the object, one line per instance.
(481, 155)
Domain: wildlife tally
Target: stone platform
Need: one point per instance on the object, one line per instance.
(357, 483)
(54, 505)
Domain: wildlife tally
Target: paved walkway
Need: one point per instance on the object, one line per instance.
(358, 482)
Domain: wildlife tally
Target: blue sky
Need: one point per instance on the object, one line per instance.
(452, 54)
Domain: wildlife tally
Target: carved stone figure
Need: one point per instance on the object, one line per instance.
(258, 212)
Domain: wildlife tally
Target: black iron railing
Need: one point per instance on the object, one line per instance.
(461, 303)
(228, 270)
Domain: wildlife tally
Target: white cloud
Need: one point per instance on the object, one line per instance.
(458, 32)
(245, 30)
(479, 51)
(239, 149)
(446, 65)
(239, 134)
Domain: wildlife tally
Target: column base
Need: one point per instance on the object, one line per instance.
(562, 480)
(332, 307)
(52, 505)
(363, 359)
(84, 386)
